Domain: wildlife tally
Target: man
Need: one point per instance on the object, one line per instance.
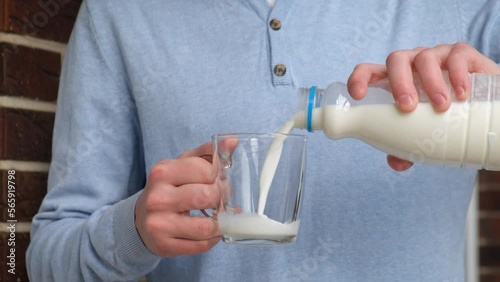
(144, 82)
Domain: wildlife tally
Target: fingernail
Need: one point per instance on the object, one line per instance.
(405, 100)
(460, 92)
(358, 91)
(439, 99)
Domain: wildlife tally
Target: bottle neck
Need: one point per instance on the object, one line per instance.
(310, 99)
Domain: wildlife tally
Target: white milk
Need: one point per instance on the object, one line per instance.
(259, 226)
(271, 164)
(456, 137)
(255, 226)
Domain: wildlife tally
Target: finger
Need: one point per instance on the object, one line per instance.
(178, 200)
(458, 70)
(195, 228)
(361, 76)
(183, 171)
(204, 149)
(184, 198)
(398, 164)
(400, 73)
(428, 64)
(177, 246)
(194, 197)
(225, 190)
(224, 148)
(475, 61)
(462, 60)
(227, 145)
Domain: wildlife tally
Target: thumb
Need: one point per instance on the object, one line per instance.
(398, 164)
(202, 150)
(225, 146)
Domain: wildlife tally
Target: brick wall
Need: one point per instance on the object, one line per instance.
(33, 37)
(489, 226)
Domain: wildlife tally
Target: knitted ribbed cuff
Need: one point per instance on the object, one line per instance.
(130, 250)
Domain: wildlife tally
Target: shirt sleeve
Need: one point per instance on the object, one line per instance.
(85, 229)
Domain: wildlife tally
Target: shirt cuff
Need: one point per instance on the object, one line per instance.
(130, 250)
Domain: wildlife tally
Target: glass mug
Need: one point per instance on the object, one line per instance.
(261, 178)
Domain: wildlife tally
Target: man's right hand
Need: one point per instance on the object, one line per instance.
(175, 187)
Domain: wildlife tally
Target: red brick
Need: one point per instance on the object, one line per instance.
(3, 13)
(490, 277)
(51, 20)
(25, 135)
(30, 73)
(22, 241)
(30, 188)
(490, 179)
(2, 67)
(489, 256)
(489, 200)
(489, 228)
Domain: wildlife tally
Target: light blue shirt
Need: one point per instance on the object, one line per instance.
(146, 80)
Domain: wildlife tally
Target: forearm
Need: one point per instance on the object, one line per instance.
(104, 246)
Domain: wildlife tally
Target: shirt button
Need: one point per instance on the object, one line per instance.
(279, 70)
(275, 24)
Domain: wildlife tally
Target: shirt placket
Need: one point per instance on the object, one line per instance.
(280, 61)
